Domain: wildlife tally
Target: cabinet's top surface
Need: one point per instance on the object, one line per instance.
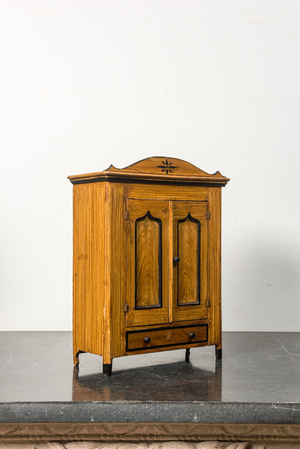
(155, 169)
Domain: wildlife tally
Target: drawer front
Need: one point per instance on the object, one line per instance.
(167, 336)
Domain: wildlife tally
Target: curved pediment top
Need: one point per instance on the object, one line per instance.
(159, 168)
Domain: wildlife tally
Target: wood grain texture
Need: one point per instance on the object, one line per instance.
(187, 345)
(185, 247)
(215, 315)
(194, 322)
(170, 258)
(88, 273)
(188, 239)
(148, 262)
(127, 232)
(107, 303)
(147, 269)
(156, 169)
(169, 192)
(115, 268)
(166, 337)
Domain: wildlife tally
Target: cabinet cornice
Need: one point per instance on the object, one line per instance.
(154, 169)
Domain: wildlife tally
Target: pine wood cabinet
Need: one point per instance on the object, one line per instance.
(147, 259)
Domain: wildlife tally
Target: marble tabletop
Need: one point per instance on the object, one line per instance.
(257, 381)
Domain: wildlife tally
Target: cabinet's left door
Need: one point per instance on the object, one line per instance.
(147, 247)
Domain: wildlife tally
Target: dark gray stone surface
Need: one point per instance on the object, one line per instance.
(257, 381)
(150, 412)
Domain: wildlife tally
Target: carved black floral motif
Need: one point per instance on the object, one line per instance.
(167, 166)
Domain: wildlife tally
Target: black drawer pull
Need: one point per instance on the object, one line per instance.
(147, 339)
(192, 335)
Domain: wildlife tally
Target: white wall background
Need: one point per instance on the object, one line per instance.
(84, 84)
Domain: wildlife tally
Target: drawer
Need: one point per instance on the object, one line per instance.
(166, 336)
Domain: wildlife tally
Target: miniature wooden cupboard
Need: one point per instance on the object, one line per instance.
(147, 259)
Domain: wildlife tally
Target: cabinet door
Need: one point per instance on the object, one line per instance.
(190, 250)
(147, 262)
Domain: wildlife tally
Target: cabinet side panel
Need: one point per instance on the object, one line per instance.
(215, 266)
(88, 200)
(115, 273)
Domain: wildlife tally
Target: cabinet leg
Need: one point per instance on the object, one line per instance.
(218, 353)
(187, 355)
(107, 369)
(76, 357)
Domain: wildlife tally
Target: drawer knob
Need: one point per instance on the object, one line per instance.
(147, 339)
(192, 335)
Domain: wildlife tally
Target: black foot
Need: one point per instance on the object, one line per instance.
(187, 355)
(107, 369)
(218, 354)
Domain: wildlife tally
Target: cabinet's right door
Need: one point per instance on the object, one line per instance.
(190, 260)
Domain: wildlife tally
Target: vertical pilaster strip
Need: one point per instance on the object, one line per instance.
(107, 277)
(118, 269)
(97, 267)
(215, 266)
(171, 256)
(75, 281)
